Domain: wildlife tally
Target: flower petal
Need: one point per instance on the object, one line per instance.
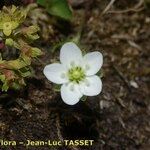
(93, 62)
(56, 73)
(70, 53)
(92, 86)
(70, 93)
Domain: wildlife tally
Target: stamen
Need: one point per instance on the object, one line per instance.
(76, 74)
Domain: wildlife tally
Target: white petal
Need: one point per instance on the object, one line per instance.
(70, 93)
(56, 73)
(70, 53)
(92, 86)
(93, 62)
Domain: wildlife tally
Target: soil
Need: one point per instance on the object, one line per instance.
(119, 118)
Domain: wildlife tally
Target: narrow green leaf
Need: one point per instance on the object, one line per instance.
(2, 78)
(5, 86)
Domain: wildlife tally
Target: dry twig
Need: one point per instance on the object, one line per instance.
(108, 6)
(133, 44)
(138, 7)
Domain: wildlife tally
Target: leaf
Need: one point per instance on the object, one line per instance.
(59, 8)
(5, 86)
(41, 2)
(36, 52)
(2, 78)
(16, 86)
(9, 42)
(18, 63)
(31, 32)
(25, 72)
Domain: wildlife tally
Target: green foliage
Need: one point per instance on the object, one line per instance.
(59, 8)
(16, 36)
(57, 88)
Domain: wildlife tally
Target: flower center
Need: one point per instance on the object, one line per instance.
(76, 74)
(7, 26)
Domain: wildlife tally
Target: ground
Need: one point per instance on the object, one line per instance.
(116, 119)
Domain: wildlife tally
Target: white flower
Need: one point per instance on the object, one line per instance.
(76, 73)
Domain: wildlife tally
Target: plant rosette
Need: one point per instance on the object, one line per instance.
(16, 37)
(10, 19)
(76, 73)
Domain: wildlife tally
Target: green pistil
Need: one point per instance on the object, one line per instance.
(76, 74)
